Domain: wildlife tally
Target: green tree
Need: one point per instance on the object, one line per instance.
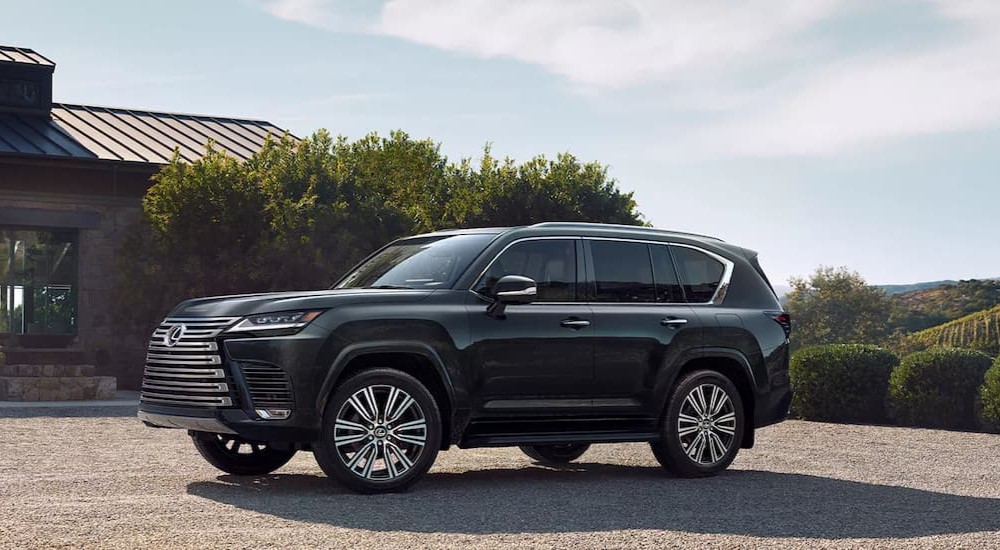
(299, 213)
(504, 193)
(837, 306)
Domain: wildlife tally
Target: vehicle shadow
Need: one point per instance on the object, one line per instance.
(600, 497)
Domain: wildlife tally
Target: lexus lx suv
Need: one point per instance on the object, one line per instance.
(550, 337)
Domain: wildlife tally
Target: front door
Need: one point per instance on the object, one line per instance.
(537, 359)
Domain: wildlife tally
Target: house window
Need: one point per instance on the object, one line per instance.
(38, 281)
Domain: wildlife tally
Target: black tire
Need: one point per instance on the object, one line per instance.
(555, 454)
(705, 458)
(403, 460)
(235, 455)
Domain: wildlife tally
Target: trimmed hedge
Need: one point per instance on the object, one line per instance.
(841, 382)
(937, 388)
(989, 399)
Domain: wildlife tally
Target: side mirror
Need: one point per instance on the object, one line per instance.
(511, 289)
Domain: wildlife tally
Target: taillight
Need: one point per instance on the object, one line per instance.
(783, 319)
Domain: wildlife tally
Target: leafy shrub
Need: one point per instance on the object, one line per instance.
(841, 382)
(989, 399)
(937, 388)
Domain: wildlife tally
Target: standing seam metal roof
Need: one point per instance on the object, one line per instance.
(13, 54)
(106, 133)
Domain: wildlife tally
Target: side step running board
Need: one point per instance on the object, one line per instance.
(543, 439)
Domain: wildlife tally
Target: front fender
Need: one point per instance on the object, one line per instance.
(353, 351)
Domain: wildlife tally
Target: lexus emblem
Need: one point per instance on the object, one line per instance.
(174, 335)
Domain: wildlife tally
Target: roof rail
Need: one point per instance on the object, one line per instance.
(638, 228)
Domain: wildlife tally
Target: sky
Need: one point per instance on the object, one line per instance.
(848, 133)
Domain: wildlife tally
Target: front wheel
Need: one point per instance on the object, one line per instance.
(235, 455)
(555, 454)
(703, 426)
(381, 432)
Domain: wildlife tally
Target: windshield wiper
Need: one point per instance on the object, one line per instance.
(392, 287)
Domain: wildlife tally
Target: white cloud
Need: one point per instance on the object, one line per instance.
(863, 103)
(697, 52)
(341, 15)
(593, 42)
(600, 43)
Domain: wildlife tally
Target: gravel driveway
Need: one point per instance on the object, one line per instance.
(103, 481)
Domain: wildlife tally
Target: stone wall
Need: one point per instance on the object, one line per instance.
(115, 196)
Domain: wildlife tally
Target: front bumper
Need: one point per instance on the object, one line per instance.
(290, 358)
(229, 421)
(193, 423)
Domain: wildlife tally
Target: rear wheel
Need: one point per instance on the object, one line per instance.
(702, 427)
(555, 454)
(381, 432)
(235, 455)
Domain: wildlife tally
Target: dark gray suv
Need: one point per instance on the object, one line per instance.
(550, 337)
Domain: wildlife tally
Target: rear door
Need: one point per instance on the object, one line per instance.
(641, 323)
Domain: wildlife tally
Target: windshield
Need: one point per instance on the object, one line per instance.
(426, 262)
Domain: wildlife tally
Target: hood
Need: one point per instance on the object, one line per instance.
(271, 302)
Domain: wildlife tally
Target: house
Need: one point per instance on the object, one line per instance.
(71, 182)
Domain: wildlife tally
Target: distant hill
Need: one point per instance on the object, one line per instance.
(924, 308)
(980, 331)
(892, 290)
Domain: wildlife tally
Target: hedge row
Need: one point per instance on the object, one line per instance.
(938, 388)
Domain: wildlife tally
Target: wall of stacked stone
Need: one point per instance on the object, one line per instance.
(97, 274)
(54, 383)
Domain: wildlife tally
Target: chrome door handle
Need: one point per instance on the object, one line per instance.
(673, 322)
(574, 323)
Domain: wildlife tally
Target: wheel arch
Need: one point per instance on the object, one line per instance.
(733, 365)
(415, 359)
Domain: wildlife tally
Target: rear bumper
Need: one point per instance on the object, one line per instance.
(773, 407)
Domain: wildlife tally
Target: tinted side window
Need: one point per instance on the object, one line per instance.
(550, 262)
(700, 274)
(622, 271)
(668, 288)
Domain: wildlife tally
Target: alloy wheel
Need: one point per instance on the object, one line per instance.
(380, 432)
(706, 424)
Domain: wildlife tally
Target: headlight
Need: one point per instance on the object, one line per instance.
(285, 320)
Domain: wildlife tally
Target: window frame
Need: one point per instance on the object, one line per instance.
(717, 298)
(582, 286)
(727, 274)
(592, 272)
(74, 238)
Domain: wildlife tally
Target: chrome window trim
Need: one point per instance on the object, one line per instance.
(521, 240)
(717, 299)
(720, 292)
(727, 275)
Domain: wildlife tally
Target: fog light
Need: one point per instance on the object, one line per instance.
(273, 414)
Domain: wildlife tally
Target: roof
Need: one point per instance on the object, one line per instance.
(105, 133)
(621, 227)
(581, 228)
(13, 54)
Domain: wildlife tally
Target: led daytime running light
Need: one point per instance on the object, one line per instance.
(284, 320)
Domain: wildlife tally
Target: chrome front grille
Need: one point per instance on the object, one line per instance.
(184, 366)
